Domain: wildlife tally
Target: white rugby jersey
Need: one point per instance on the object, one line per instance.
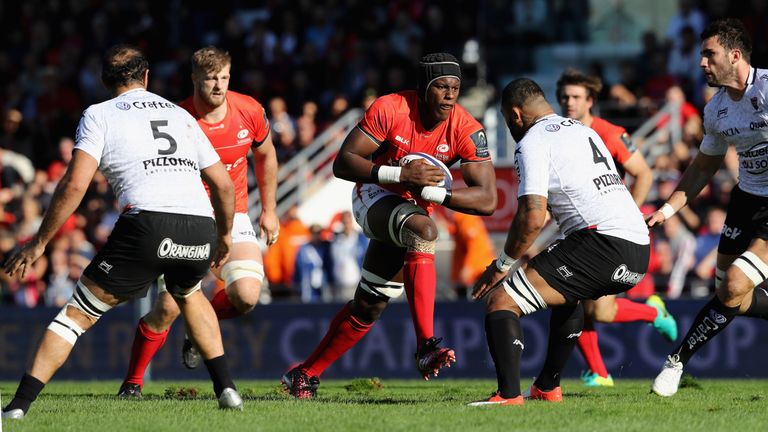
(743, 124)
(568, 163)
(150, 150)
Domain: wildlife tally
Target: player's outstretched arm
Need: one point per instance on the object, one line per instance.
(66, 198)
(265, 165)
(696, 176)
(480, 196)
(529, 220)
(223, 201)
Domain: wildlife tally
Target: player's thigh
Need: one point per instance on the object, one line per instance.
(745, 214)
(382, 214)
(747, 271)
(589, 265)
(127, 264)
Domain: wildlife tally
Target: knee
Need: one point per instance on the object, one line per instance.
(163, 314)
(602, 314)
(424, 228)
(734, 286)
(245, 297)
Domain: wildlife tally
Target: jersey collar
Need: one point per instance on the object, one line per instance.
(752, 75)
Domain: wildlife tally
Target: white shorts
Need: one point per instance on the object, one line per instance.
(242, 229)
(364, 196)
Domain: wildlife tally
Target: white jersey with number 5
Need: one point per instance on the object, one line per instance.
(150, 150)
(568, 163)
(744, 124)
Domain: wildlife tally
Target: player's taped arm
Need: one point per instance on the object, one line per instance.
(529, 220)
(480, 196)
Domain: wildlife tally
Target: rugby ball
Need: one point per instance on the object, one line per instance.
(447, 177)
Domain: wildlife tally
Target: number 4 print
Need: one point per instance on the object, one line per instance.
(597, 156)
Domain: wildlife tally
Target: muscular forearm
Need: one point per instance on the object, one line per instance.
(641, 187)
(266, 177)
(223, 201)
(476, 200)
(694, 179)
(528, 222)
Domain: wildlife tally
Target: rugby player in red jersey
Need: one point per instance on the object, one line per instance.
(576, 93)
(393, 204)
(234, 123)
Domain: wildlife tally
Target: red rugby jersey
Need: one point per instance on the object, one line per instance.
(393, 121)
(245, 123)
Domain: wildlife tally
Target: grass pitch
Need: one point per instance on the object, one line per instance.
(372, 405)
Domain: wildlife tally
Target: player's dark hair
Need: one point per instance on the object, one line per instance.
(518, 92)
(731, 34)
(578, 78)
(123, 65)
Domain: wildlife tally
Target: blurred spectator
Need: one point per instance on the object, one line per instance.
(705, 254)
(280, 258)
(347, 252)
(688, 15)
(684, 62)
(283, 130)
(472, 251)
(313, 274)
(676, 255)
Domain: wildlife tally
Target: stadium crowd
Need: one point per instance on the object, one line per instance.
(308, 62)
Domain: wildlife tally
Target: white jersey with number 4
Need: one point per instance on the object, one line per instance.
(568, 163)
(744, 124)
(151, 152)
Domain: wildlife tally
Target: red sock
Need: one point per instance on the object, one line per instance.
(345, 331)
(420, 280)
(145, 344)
(589, 348)
(223, 307)
(627, 311)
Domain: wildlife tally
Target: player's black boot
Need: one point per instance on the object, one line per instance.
(129, 391)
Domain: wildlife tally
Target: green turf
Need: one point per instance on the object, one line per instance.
(368, 405)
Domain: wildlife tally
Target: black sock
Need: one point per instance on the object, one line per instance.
(219, 371)
(29, 388)
(759, 306)
(505, 341)
(565, 327)
(710, 321)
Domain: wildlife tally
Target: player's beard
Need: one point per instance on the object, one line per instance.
(213, 101)
(720, 80)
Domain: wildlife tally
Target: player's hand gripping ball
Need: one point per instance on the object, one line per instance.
(447, 177)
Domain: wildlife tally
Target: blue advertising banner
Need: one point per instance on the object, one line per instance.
(265, 343)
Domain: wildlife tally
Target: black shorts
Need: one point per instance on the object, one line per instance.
(746, 220)
(588, 265)
(145, 245)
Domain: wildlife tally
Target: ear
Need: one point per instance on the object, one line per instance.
(146, 79)
(735, 55)
(517, 113)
